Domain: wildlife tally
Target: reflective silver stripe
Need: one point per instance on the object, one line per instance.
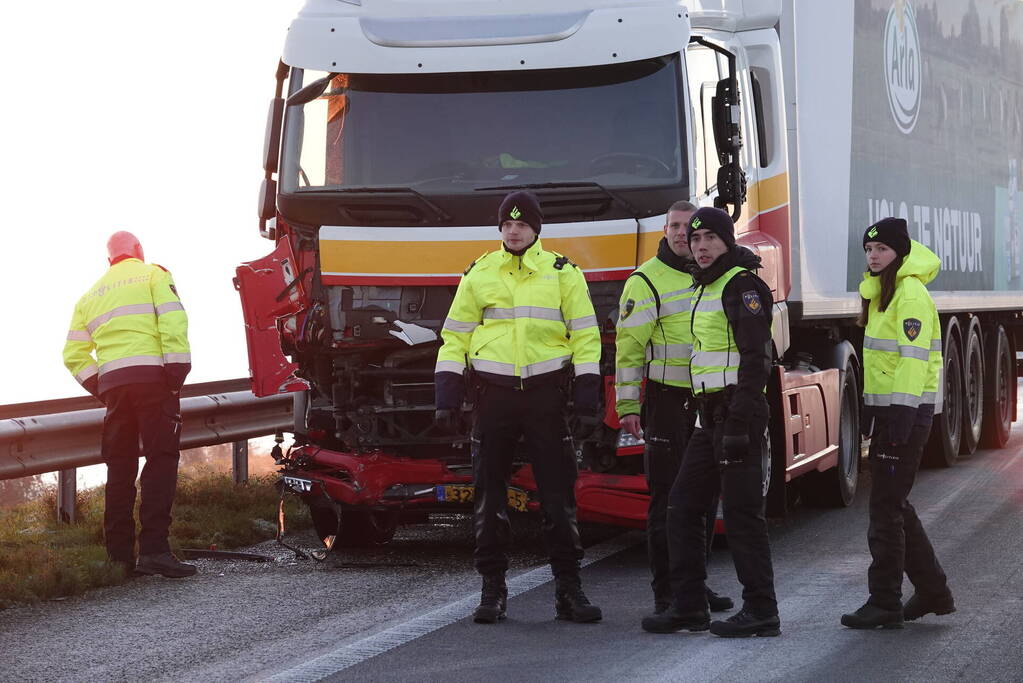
(900, 399)
(587, 369)
(907, 351)
(493, 367)
(637, 318)
(627, 393)
(458, 326)
(629, 375)
(168, 307)
(715, 359)
(676, 306)
(449, 366)
(880, 344)
(935, 345)
(677, 292)
(716, 379)
(85, 374)
(132, 309)
(706, 305)
(79, 335)
(129, 362)
(544, 366)
(177, 358)
(670, 373)
(582, 323)
(535, 312)
(671, 351)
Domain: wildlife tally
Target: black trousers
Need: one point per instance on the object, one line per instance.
(694, 498)
(897, 540)
(537, 416)
(149, 412)
(667, 426)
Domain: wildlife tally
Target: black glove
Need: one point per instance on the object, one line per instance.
(446, 420)
(734, 448)
(586, 395)
(450, 389)
(900, 424)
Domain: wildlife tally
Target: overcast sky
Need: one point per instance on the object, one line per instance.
(140, 116)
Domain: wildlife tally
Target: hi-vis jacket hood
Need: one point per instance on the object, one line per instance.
(921, 263)
(515, 318)
(902, 344)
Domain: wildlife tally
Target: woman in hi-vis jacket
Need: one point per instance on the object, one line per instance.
(901, 392)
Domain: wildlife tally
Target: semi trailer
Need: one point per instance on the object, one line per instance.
(397, 127)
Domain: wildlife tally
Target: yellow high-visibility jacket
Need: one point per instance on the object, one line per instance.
(516, 318)
(653, 326)
(134, 321)
(902, 345)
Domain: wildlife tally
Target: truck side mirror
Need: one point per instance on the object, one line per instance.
(728, 141)
(731, 188)
(267, 200)
(272, 141)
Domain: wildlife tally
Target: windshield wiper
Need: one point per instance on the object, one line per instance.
(613, 196)
(439, 214)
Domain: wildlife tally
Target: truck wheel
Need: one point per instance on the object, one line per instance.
(367, 528)
(973, 385)
(836, 488)
(942, 447)
(1001, 389)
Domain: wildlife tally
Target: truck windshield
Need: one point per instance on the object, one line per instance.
(617, 125)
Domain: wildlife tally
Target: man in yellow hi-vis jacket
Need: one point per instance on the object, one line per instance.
(522, 319)
(654, 343)
(134, 321)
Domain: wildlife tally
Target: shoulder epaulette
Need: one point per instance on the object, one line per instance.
(561, 261)
(161, 267)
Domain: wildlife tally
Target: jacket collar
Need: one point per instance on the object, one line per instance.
(736, 256)
(683, 264)
(530, 255)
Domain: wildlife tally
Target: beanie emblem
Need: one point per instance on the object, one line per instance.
(515, 213)
(872, 232)
(696, 223)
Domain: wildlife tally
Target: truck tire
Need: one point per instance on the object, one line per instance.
(973, 389)
(999, 408)
(942, 447)
(367, 528)
(836, 488)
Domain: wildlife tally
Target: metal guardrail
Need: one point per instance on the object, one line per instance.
(61, 440)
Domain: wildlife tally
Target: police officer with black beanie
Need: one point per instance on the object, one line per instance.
(730, 367)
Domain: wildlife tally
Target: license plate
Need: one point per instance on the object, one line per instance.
(460, 493)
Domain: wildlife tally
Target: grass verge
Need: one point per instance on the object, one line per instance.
(41, 559)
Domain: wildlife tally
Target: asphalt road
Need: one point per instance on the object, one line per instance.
(397, 613)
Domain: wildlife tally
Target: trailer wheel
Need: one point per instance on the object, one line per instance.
(973, 385)
(1001, 389)
(943, 444)
(836, 487)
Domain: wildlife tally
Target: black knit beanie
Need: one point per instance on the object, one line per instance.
(890, 231)
(521, 206)
(715, 220)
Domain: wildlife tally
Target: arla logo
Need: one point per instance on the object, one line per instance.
(902, 64)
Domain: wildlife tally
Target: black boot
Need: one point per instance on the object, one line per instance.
(493, 600)
(164, 564)
(719, 603)
(920, 605)
(745, 623)
(571, 603)
(872, 616)
(671, 620)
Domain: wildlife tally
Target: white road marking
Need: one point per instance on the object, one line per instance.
(388, 639)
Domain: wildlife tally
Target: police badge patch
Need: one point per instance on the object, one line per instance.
(751, 300)
(629, 305)
(911, 326)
